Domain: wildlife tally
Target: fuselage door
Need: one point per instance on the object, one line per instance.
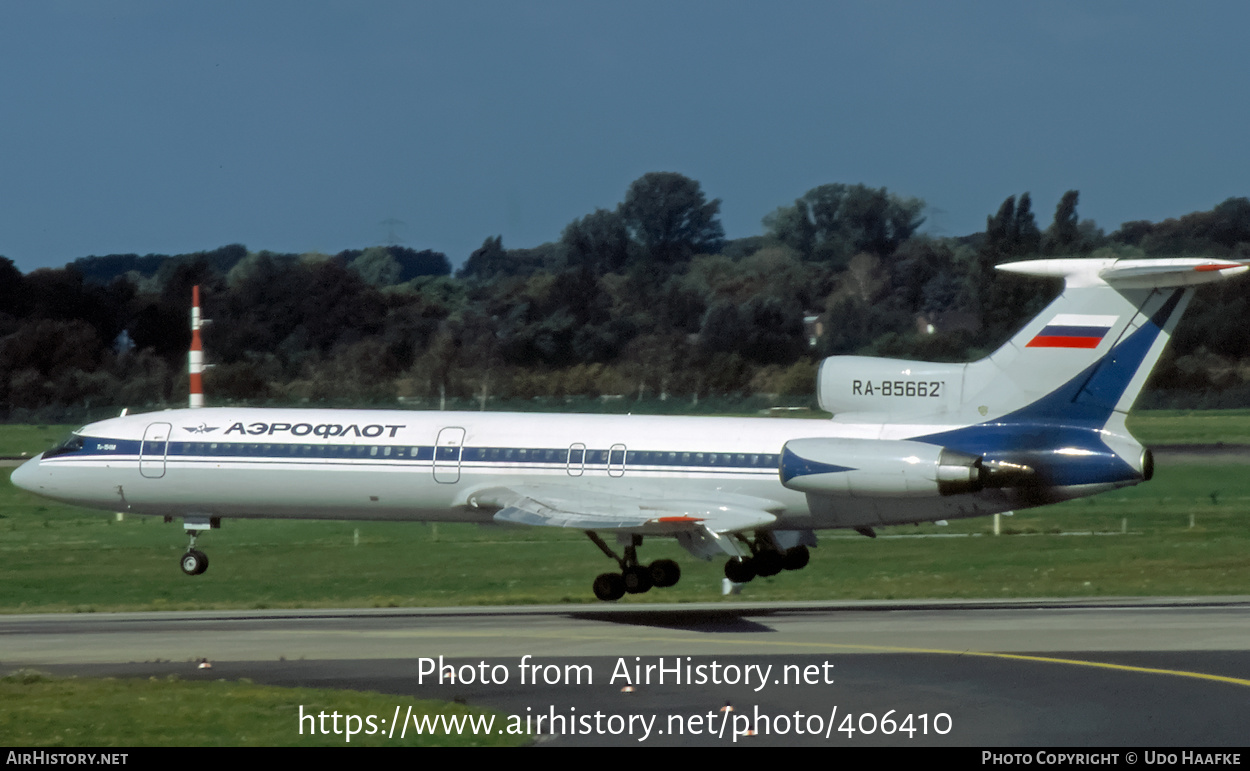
(616, 461)
(152, 450)
(447, 451)
(577, 459)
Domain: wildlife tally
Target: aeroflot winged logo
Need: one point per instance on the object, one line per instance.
(1073, 330)
(201, 429)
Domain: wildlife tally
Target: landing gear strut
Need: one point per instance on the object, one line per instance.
(767, 559)
(194, 562)
(633, 578)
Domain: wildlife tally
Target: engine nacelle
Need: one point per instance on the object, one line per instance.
(877, 468)
(894, 386)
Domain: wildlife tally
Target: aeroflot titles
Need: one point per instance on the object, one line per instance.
(321, 429)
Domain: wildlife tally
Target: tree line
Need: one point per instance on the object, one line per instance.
(647, 301)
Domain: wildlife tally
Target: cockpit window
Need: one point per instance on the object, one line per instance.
(72, 443)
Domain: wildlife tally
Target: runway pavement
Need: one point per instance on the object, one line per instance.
(1107, 672)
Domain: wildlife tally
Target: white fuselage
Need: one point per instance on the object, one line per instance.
(426, 466)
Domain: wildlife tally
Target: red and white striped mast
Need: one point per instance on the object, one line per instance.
(195, 358)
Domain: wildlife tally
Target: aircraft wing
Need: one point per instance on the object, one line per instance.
(700, 525)
(557, 506)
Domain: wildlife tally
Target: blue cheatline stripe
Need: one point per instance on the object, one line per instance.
(794, 466)
(489, 457)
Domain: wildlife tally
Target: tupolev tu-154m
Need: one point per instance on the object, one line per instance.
(1040, 420)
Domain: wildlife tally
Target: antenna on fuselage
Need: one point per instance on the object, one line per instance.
(195, 357)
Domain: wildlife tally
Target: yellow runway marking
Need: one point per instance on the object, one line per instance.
(936, 651)
(1104, 665)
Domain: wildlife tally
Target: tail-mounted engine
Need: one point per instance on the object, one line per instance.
(879, 468)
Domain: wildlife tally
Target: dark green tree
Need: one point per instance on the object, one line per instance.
(999, 233)
(1028, 238)
(599, 241)
(489, 259)
(426, 262)
(1012, 232)
(1064, 235)
(1225, 230)
(723, 329)
(832, 223)
(794, 227)
(774, 332)
(10, 287)
(377, 267)
(670, 217)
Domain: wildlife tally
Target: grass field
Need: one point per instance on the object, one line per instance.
(58, 558)
(1191, 427)
(18, 440)
(40, 711)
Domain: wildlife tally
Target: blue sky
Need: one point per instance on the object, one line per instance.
(298, 126)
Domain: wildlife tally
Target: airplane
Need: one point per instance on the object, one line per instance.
(1041, 420)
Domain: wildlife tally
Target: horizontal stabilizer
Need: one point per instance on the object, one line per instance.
(1131, 274)
(1183, 272)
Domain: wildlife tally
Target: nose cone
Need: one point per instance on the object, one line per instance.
(26, 475)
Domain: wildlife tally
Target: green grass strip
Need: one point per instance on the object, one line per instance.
(40, 711)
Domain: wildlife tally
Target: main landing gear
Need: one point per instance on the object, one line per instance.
(633, 578)
(767, 559)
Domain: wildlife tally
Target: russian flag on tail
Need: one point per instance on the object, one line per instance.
(1073, 330)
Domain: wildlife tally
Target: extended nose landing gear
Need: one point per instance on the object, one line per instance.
(633, 578)
(194, 562)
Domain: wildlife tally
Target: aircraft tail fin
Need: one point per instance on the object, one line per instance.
(1084, 358)
(1089, 353)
